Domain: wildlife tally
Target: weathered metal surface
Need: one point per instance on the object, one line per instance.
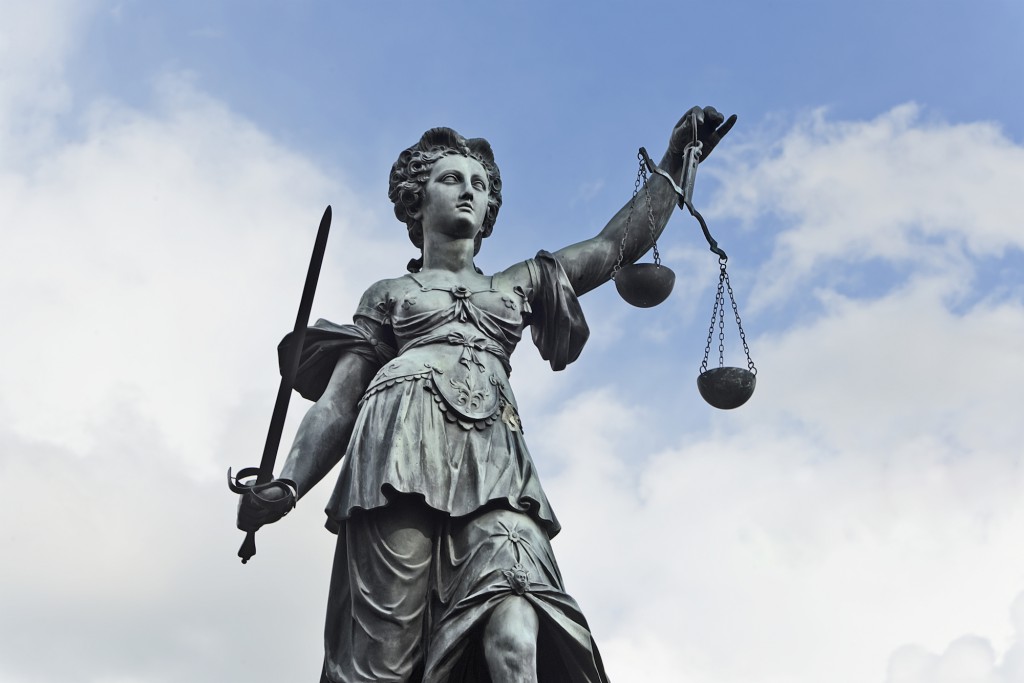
(645, 284)
(726, 388)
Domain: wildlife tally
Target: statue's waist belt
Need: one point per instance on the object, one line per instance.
(469, 374)
(472, 345)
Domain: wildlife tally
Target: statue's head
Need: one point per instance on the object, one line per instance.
(410, 173)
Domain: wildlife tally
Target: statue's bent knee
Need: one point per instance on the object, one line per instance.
(512, 630)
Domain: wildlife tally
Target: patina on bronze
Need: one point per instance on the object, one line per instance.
(443, 570)
(645, 284)
(726, 387)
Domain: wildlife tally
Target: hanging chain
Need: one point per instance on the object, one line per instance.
(650, 213)
(721, 321)
(719, 303)
(739, 323)
(641, 176)
(718, 316)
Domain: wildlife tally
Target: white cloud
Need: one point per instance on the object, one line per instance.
(897, 188)
(757, 557)
(125, 566)
(870, 372)
(155, 262)
(967, 659)
(35, 41)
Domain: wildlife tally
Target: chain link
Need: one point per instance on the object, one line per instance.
(739, 323)
(718, 316)
(711, 329)
(721, 325)
(641, 175)
(650, 216)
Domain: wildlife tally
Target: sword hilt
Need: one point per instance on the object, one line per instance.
(248, 547)
(280, 506)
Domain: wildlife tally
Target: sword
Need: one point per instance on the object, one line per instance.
(265, 472)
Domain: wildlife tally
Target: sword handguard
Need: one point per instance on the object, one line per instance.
(254, 509)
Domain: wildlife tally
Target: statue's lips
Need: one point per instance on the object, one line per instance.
(464, 206)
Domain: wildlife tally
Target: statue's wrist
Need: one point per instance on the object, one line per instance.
(672, 162)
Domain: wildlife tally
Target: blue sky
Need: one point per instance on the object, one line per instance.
(162, 170)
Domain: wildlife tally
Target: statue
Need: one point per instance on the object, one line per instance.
(444, 570)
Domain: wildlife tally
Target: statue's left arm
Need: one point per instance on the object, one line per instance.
(589, 263)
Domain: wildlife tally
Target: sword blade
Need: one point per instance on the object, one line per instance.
(291, 367)
(284, 390)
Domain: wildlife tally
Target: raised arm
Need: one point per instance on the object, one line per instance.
(589, 263)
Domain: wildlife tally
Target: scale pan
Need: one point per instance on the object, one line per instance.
(645, 284)
(726, 388)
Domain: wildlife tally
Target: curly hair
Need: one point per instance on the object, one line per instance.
(410, 173)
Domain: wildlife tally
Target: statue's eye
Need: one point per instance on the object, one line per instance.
(480, 185)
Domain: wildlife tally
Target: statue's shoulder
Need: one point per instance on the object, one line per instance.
(389, 287)
(378, 300)
(542, 272)
(523, 275)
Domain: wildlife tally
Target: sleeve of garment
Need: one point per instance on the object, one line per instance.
(370, 337)
(558, 326)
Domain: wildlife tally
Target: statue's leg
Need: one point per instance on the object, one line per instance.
(510, 642)
(374, 631)
(502, 612)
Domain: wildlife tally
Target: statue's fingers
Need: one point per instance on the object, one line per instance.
(726, 127)
(685, 119)
(713, 117)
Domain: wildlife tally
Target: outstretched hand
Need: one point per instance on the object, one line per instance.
(712, 126)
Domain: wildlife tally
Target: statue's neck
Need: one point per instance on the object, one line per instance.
(446, 253)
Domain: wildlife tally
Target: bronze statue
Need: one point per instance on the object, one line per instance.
(443, 570)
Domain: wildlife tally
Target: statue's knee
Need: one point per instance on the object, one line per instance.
(512, 629)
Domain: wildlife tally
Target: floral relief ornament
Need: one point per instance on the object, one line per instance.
(467, 395)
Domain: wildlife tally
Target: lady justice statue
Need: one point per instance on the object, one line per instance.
(444, 571)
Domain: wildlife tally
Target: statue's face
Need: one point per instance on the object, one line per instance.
(455, 197)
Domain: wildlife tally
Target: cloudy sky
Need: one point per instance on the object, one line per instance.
(163, 167)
